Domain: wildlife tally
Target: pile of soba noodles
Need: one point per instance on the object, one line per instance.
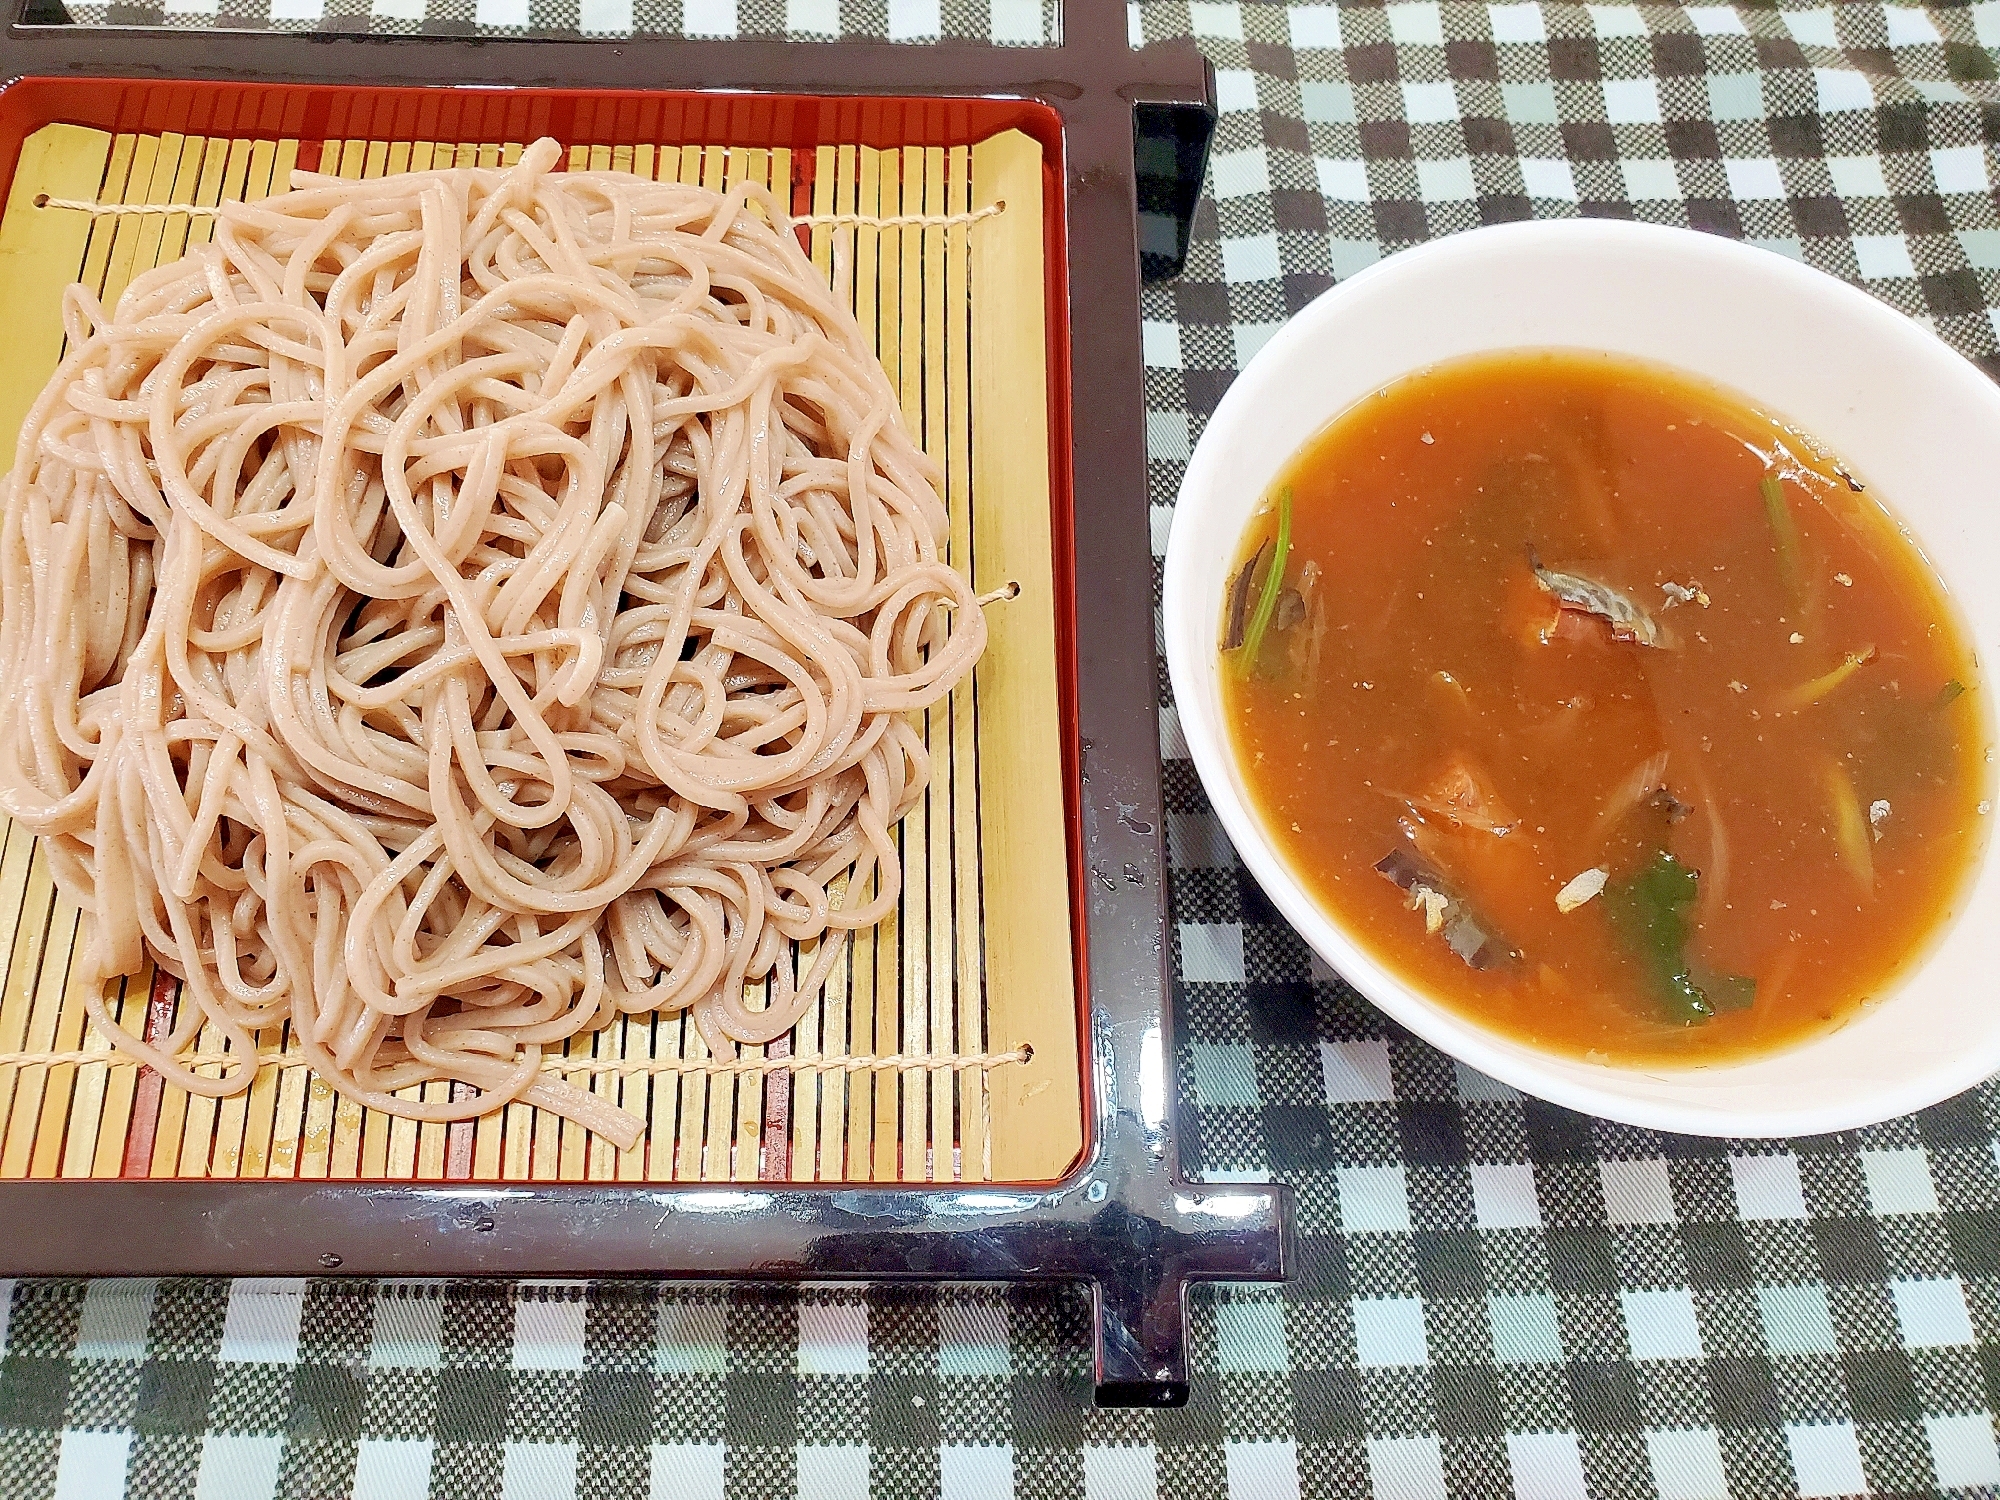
(452, 611)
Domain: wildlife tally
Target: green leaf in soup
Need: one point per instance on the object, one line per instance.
(1730, 992)
(1901, 739)
(1274, 582)
(1650, 911)
(1784, 531)
(1238, 612)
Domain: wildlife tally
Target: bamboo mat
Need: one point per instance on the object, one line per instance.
(946, 1045)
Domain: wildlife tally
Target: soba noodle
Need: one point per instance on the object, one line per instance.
(451, 611)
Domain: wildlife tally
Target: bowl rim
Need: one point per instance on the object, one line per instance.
(1506, 1059)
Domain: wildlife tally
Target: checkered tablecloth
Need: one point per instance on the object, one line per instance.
(1004, 23)
(1495, 1297)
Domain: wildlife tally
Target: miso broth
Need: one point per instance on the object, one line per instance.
(1612, 713)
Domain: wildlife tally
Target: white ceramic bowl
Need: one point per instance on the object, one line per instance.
(1901, 409)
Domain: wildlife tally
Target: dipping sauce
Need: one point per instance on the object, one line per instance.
(1606, 710)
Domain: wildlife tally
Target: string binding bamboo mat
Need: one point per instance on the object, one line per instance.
(946, 1047)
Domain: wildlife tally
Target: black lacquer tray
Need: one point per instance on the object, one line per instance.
(1122, 137)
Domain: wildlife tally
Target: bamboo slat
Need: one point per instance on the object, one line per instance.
(878, 289)
(842, 1099)
(114, 1086)
(969, 948)
(704, 166)
(40, 254)
(737, 165)
(813, 1096)
(913, 960)
(954, 308)
(36, 1020)
(937, 872)
(1024, 873)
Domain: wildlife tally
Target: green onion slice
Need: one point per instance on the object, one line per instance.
(1783, 528)
(1274, 583)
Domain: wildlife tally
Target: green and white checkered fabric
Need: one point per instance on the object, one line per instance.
(1495, 1297)
(1499, 1296)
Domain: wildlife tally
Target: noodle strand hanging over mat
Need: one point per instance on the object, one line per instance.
(455, 610)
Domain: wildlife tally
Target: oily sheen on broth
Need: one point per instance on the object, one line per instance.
(1609, 711)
